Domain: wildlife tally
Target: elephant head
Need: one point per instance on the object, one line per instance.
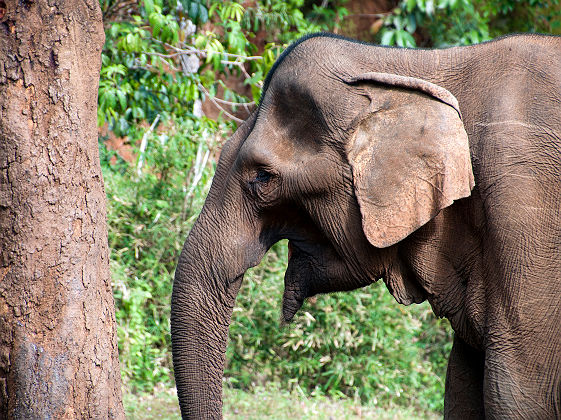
(344, 163)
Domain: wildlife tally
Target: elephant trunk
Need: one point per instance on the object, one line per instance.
(207, 280)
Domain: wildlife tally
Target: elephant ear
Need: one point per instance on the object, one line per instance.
(409, 155)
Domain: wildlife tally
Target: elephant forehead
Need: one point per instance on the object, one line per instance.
(266, 145)
(282, 131)
(316, 104)
(310, 96)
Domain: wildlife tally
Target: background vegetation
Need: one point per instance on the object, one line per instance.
(161, 59)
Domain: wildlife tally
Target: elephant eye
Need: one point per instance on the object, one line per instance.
(261, 184)
(263, 176)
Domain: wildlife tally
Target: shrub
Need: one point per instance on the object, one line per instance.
(360, 343)
(149, 216)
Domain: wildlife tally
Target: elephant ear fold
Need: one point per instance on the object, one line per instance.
(409, 155)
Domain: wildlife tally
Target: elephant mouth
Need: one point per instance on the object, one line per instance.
(297, 280)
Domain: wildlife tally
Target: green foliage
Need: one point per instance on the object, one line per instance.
(154, 64)
(149, 216)
(439, 23)
(522, 16)
(359, 344)
(444, 22)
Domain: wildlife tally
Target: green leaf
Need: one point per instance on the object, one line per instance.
(149, 7)
(388, 37)
(411, 25)
(100, 117)
(193, 11)
(114, 30)
(237, 12)
(411, 5)
(156, 22)
(398, 22)
(122, 99)
(255, 92)
(408, 40)
(200, 42)
(172, 34)
(213, 8)
(399, 38)
(216, 61)
(254, 79)
(110, 98)
(186, 4)
(203, 14)
(430, 7)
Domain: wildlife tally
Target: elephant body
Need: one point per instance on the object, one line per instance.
(436, 170)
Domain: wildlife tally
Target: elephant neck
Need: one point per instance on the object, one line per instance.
(443, 259)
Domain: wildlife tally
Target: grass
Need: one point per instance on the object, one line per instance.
(270, 403)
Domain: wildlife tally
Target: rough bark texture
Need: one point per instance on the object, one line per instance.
(58, 349)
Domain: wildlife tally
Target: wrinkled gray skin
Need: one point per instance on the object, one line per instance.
(489, 262)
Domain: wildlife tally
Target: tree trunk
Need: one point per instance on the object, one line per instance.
(58, 348)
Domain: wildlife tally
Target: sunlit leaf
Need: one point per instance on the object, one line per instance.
(388, 37)
(149, 6)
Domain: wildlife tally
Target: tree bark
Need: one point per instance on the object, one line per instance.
(58, 348)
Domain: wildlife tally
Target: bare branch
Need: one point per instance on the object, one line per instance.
(157, 54)
(213, 100)
(225, 102)
(154, 68)
(187, 49)
(376, 15)
(110, 13)
(244, 71)
(144, 143)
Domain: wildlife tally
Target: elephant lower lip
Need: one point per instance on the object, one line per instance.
(289, 250)
(289, 308)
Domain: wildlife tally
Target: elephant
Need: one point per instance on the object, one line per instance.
(436, 170)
